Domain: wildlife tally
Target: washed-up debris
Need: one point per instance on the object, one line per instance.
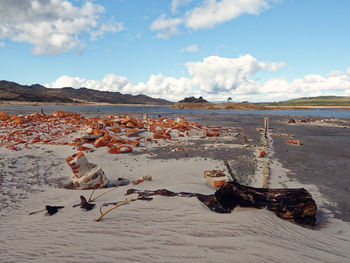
(120, 134)
(86, 175)
(304, 120)
(293, 142)
(51, 210)
(215, 178)
(142, 179)
(85, 204)
(119, 183)
(301, 120)
(4, 116)
(292, 204)
(262, 154)
(102, 214)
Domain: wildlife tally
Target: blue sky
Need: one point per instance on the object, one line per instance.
(255, 50)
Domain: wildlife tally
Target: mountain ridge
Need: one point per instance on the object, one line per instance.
(314, 101)
(12, 91)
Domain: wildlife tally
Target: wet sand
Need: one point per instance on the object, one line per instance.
(323, 159)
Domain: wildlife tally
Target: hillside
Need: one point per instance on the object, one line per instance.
(315, 101)
(212, 106)
(11, 91)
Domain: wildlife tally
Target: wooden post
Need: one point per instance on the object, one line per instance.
(266, 126)
(244, 138)
(266, 171)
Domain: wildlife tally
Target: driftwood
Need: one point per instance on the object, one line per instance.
(51, 210)
(292, 204)
(85, 204)
(102, 214)
(106, 192)
(117, 184)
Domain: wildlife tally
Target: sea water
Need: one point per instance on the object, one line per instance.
(163, 110)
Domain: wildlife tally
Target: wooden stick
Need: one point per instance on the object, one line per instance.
(233, 177)
(91, 195)
(106, 192)
(114, 207)
(32, 213)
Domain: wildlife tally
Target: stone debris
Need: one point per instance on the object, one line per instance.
(119, 134)
(86, 175)
(215, 178)
(142, 179)
(262, 154)
(293, 142)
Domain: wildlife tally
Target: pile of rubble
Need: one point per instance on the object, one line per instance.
(120, 134)
(86, 175)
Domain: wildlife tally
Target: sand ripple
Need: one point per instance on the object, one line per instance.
(166, 229)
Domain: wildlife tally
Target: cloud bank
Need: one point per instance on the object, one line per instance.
(207, 15)
(53, 26)
(217, 78)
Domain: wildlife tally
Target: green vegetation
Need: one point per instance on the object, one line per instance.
(315, 101)
(6, 95)
(212, 106)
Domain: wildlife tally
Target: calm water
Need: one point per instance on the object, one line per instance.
(168, 111)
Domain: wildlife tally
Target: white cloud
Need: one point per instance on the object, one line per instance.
(348, 71)
(2, 44)
(110, 82)
(310, 85)
(156, 86)
(217, 78)
(166, 26)
(110, 26)
(217, 74)
(190, 48)
(213, 12)
(207, 15)
(175, 4)
(52, 26)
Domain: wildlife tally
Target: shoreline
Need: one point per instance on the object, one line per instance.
(38, 104)
(217, 106)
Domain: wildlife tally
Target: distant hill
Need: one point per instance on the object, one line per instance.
(315, 101)
(222, 106)
(11, 91)
(194, 100)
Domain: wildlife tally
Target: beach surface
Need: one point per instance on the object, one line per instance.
(179, 229)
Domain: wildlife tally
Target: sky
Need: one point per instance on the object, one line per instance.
(247, 50)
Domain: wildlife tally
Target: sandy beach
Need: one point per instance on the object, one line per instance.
(180, 229)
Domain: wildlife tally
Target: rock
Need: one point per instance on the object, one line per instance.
(215, 178)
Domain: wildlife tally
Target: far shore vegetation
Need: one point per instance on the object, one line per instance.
(314, 101)
(332, 102)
